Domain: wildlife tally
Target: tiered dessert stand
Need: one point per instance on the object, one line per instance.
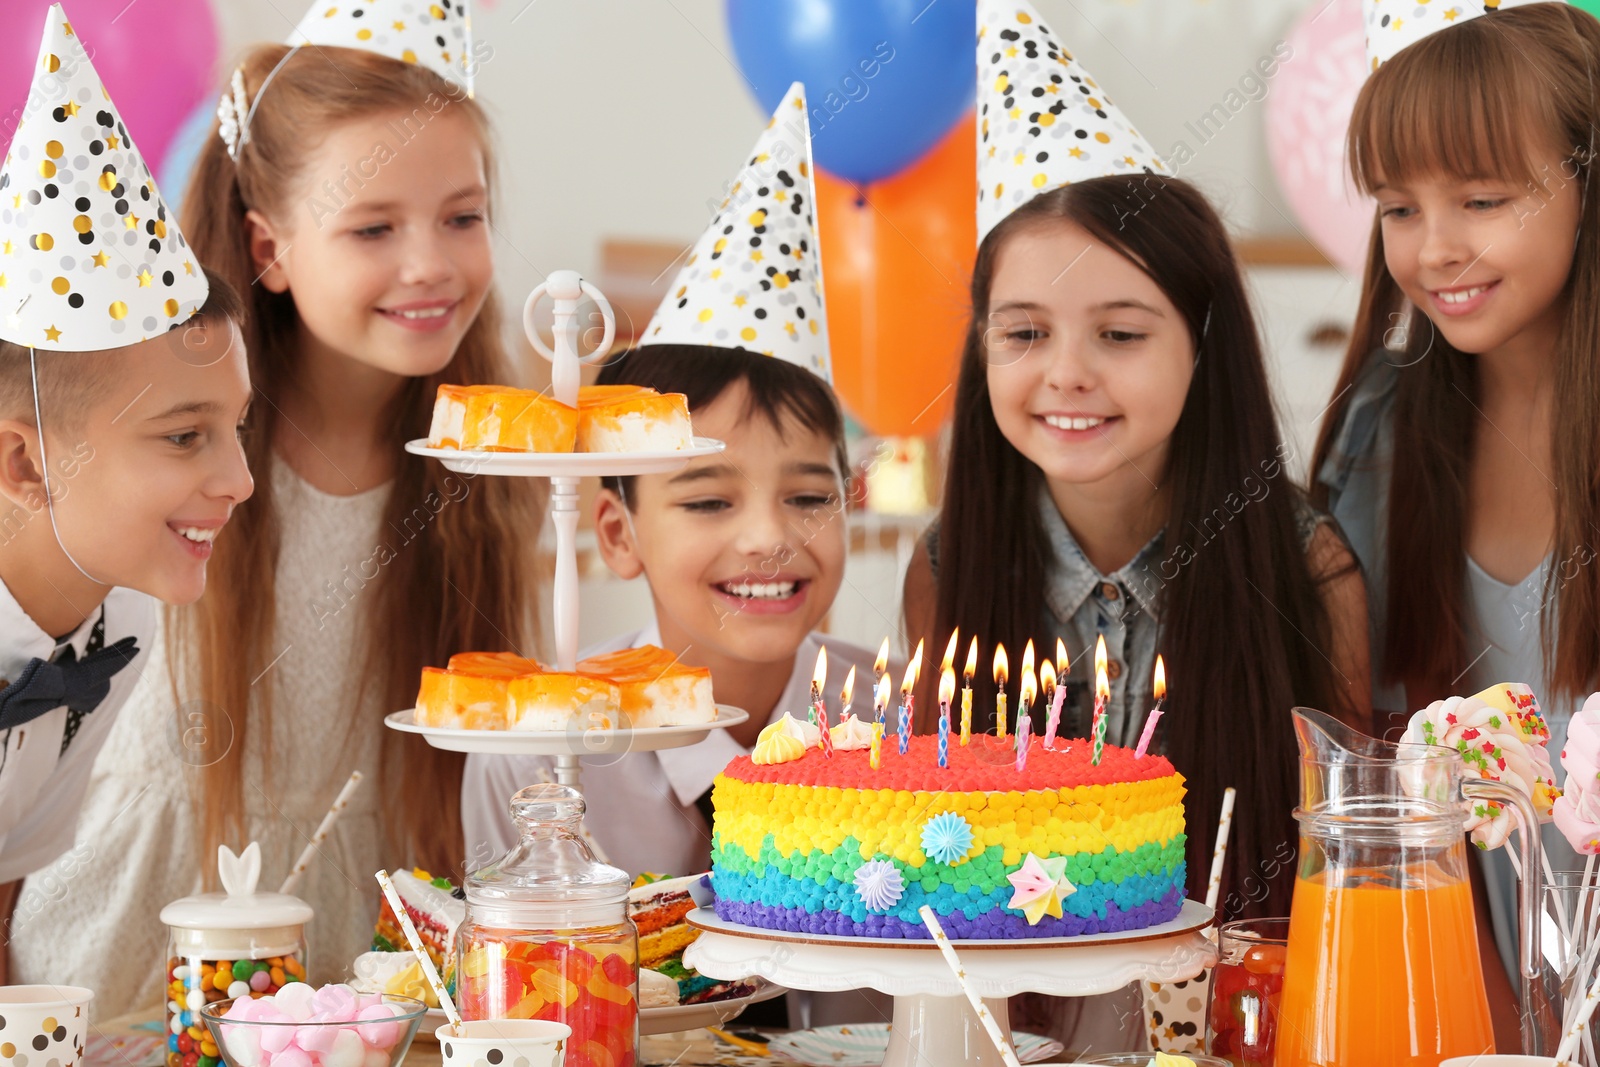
(934, 1025)
(564, 469)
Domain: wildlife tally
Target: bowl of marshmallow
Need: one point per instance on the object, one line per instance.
(331, 1026)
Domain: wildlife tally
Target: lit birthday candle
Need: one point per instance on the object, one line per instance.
(1053, 718)
(847, 695)
(819, 708)
(880, 672)
(1027, 672)
(907, 700)
(1047, 687)
(1001, 672)
(1102, 697)
(880, 705)
(1159, 688)
(947, 693)
(966, 690)
(1024, 706)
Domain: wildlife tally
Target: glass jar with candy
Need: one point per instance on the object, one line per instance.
(547, 935)
(235, 943)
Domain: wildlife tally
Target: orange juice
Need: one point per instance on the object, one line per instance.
(1382, 977)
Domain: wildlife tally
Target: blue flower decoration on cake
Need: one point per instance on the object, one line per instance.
(946, 839)
(879, 885)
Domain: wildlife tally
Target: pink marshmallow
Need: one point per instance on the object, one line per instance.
(347, 1051)
(243, 1044)
(293, 1056)
(317, 1039)
(379, 1035)
(274, 1039)
(376, 1057)
(335, 1002)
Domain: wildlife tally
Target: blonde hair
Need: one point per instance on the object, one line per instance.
(468, 579)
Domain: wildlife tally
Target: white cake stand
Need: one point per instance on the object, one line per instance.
(564, 470)
(934, 1025)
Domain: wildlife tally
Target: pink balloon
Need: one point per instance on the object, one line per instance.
(157, 58)
(1308, 114)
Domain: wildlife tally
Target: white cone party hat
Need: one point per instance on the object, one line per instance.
(1393, 24)
(434, 33)
(90, 256)
(1043, 121)
(754, 278)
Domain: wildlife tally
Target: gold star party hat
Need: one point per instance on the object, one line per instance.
(1043, 121)
(1393, 24)
(434, 33)
(754, 278)
(90, 257)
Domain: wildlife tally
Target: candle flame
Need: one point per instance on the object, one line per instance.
(1002, 669)
(1027, 659)
(1047, 676)
(819, 677)
(1102, 686)
(880, 694)
(950, 650)
(1160, 685)
(849, 688)
(947, 685)
(972, 661)
(881, 664)
(1029, 690)
(1063, 665)
(913, 670)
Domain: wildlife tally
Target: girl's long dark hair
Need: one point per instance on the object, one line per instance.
(1244, 630)
(1479, 100)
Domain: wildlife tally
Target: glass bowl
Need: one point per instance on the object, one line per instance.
(371, 1043)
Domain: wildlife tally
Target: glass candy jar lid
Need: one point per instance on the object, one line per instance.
(239, 921)
(549, 878)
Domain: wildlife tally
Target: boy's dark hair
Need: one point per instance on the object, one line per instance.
(70, 384)
(776, 390)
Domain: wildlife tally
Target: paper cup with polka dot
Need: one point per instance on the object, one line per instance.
(43, 1025)
(503, 1043)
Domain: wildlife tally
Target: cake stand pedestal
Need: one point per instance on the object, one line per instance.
(564, 469)
(934, 1025)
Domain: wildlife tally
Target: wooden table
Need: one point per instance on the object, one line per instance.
(117, 1042)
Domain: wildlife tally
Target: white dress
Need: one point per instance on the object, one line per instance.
(92, 917)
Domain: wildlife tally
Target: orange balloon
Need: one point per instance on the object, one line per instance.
(896, 259)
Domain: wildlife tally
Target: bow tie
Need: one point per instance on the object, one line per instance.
(80, 685)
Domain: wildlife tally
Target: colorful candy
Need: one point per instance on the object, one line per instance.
(1244, 1005)
(589, 985)
(193, 983)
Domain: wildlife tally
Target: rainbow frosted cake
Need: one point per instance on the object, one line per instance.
(829, 845)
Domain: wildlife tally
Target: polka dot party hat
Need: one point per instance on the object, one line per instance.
(90, 257)
(754, 278)
(1043, 121)
(435, 33)
(1393, 24)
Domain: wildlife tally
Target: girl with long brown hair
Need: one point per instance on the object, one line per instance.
(1461, 451)
(346, 192)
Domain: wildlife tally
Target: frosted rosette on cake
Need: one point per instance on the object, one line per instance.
(1500, 735)
(1577, 810)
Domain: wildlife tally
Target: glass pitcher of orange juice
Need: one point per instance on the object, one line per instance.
(1383, 967)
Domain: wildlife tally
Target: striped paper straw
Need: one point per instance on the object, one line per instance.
(428, 970)
(1214, 889)
(1001, 1045)
(340, 802)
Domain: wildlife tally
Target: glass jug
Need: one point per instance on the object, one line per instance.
(1383, 967)
(547, 935)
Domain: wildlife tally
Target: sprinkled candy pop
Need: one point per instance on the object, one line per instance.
(1159, 687)
(1577, 809)
(1053, 720)
(966, 690)
(1102, 697)
(1001, 672)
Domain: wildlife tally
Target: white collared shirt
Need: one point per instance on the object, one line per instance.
(42, 788)
(640, 807)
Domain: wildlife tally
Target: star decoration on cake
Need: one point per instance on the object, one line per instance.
(946, 838)
(1039, 886)
(879, 885)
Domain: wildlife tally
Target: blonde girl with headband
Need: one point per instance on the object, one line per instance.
(347, 192)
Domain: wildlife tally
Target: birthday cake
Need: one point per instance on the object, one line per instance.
(828, 845)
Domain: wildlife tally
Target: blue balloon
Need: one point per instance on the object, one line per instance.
(885, 79)
(184, 151)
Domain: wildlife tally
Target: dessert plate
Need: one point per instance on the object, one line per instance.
(565, 464)
(578, 740)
